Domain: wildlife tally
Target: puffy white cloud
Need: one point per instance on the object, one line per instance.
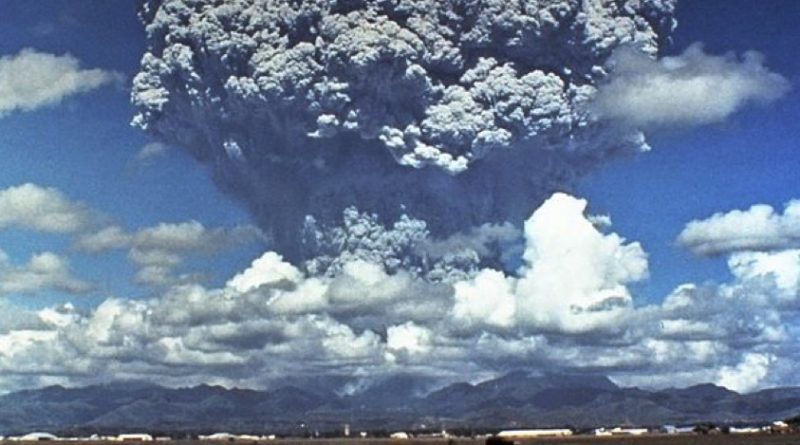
(746, 375)
(486, 299)
(33, 207)
(267, 269)
(107, 238)
(573, 279)
(741, 314)
(575, 276)
(780, 268)
(58, 316)
(189, 236)
(342, 343)
(14, 318)
(160, 249)
(690, 89)
(20, 342)
(44, 271)
(408, 337)
(758, 228)
(32, 79)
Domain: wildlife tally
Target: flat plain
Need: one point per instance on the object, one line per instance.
(691, 439)
(687, 439)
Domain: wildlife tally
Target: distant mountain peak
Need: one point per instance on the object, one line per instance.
(515, 398)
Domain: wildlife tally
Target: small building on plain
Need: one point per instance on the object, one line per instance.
(529, 434)
(619, 431)
(602, 432)
(218, 436)
(779, 426)
(744, 430)
(38, 436)
(673, 429)
(135, 437)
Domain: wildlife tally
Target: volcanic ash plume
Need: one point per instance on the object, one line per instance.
(454, 112)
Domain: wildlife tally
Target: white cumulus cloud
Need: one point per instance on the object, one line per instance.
(33, 207)
(782, 268)
(758, 228)
(690, 89)
(573, 278)
(160, 249)
(44, 271)
(32, 79)
(746, 375)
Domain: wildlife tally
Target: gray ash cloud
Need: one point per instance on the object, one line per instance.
(458, 113)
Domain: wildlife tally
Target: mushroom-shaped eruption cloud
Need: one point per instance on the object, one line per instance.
(455, 112)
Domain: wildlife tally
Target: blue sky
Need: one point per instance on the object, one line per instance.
(85, 147)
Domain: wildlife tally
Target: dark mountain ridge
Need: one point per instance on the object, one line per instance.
(517, 399)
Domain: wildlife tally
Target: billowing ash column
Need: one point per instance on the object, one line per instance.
(455, 112)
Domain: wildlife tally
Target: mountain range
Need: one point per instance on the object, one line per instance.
(514, 400)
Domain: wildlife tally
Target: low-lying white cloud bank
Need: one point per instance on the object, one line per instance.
(567, 305)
